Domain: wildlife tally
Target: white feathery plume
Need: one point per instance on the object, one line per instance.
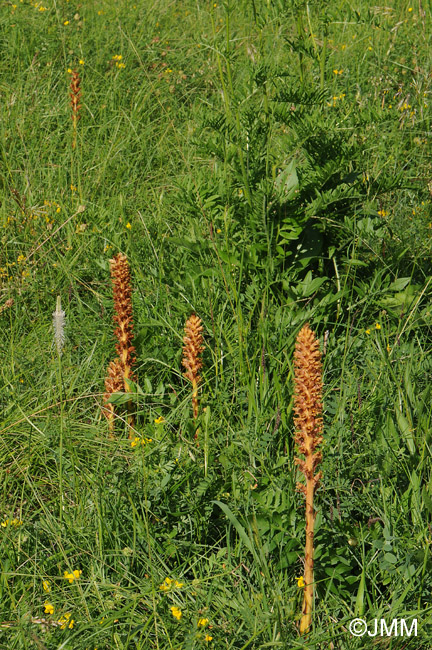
(59, 323)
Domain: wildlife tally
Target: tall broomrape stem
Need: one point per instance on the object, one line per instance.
(122, 290)
(309, 427)
(75, 95)
(113, 384)
(192, 349)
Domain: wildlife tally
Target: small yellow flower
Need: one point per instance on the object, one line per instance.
(300, 582)
(128, 225)
(383, 213)
(135, 441)
(377, 326)
(166, 584)
(208, 638)
(410, 8)
(178, 584)
(81, 61)
(159, 420)
(72, 576)
(120, 65)
(176, 612)
(64, 621)
(49, 609)
(46, 586)
(218, 231)
(367, 331)
(202, 622)
(21, 258)
(388, 348)
(69, 71)
(66, 22)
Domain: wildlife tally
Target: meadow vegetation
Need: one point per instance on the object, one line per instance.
(262, 164)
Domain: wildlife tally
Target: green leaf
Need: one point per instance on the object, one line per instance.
(237, 525)
(286, 183)
(399, 284)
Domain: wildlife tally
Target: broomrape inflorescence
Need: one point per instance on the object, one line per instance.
(309, 427)
(75, 95)
(192, 349)
(120, 370)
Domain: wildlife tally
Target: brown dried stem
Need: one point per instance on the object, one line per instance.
(75, 95)
(309, 427)
(192, 349)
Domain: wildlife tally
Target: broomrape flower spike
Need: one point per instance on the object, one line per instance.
(192, 350)
(309, 427)
(120, 370)
(75, 95)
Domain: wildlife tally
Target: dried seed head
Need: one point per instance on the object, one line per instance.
(9, 302)
(58, 324)
(122, 290)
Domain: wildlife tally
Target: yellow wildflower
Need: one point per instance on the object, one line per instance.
(300, 582)
(72, 576)
(159, 420)
(66, 22)
(367, 331)
(49, 609)
(64, 621)
(176, 612)
(46, 585)
(166, 584)
(128, 225)
(202, 622)
(208, 638)
(81, 61)
(377, 326)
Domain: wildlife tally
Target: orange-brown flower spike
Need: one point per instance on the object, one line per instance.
(75, 95)
(113, 384)
(192, 349)
(308, 422)
(122, 290)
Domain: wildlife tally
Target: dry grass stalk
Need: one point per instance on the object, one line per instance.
(309, 427)
(121, 369)
(192, 349)
(75, 95)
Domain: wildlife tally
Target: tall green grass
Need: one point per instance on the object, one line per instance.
(263, 164)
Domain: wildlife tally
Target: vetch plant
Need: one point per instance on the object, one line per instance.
(309, 427)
